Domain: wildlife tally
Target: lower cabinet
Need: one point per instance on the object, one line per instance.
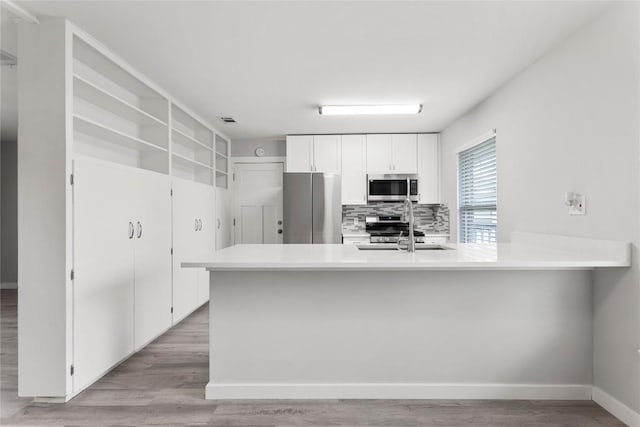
(193, 238)
(122, 264)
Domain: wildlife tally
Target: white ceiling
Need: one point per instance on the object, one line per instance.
(269, 64)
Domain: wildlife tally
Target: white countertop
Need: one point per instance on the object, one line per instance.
(526, 252)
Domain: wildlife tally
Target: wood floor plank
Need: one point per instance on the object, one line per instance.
(163, 385)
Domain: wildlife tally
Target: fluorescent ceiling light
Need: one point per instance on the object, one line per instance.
(332, 110)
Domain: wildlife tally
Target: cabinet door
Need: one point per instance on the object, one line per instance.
(354, 170)
(205, 238)
(185, 285)
(152, 256)
(224, 221)
(299, 153)
(404, 153)
(379, 154)
(326, 153)
(103, 289)
(429, 168)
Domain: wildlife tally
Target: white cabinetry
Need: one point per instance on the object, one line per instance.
(224, 220)
(95, 220)
(354, 170)
(392, 153)
(193, 237)
(122, 264)
(313, 153)
(404, 148)
(429, 168)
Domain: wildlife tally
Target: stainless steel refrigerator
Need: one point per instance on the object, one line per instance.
(312, 208)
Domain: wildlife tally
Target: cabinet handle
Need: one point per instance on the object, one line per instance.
(196, 226)
(200, 226)
(131, 230)
(219, 223)
(139, 229)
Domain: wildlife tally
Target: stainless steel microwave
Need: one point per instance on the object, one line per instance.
(392, 188)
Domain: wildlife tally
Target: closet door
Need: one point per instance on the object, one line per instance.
(205, 238)
(185, 213)
(152, 239)
(103, 294)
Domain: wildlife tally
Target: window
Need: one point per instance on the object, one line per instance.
(477, 181)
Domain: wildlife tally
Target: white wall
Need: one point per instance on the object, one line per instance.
(570, 122)
(273, 147)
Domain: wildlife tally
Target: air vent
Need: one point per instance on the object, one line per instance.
(228, 119)
(6, 59)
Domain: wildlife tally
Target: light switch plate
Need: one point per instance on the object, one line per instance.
(356, 221)
(580, 207)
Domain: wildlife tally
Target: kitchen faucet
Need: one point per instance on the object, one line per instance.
(408, 208)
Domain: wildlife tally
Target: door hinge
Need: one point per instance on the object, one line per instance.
(171, 251)
(171, 192)
(234, 222)
(71, 370)
(72, 275)
(71, 179)
(171, 310)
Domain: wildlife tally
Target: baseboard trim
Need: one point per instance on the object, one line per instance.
(617, 408)
(399, 391)
(9, 285)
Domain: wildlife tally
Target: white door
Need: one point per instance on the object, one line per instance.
(299, 153)
(354, 170)
(103, 292)
(258, 202)
(326, 153)
(185, 284)
(429, 168)
(404, 153)
(152, 244)
(224, 218)
(379, 154)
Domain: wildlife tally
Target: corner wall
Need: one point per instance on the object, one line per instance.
(571, 122)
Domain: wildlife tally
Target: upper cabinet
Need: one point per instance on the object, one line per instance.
(354, 170)
(392, 153)
(429, 168)
(314, 153)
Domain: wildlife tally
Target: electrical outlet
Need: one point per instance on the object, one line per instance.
(356, 221)
(579, 207)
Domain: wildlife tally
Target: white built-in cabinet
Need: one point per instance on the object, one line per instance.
(193, 238)
(392, 153)
(354, 170)
(355, 156)
(117, 186)
(429, 168)
(314, 153)
(224, 219)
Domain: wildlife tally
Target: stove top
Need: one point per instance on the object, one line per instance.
(388, 229)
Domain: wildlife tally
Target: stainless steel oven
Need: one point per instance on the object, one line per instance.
(392, 188)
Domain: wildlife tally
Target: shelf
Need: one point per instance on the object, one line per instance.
(105, 100)
(186, 160)
(186, 138)
(89, 127)
(219, 172)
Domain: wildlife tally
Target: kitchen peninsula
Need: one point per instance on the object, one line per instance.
(472, 321)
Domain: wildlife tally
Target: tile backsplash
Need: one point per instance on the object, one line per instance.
(429, 218)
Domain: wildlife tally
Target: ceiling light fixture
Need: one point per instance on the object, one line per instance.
(334, 110)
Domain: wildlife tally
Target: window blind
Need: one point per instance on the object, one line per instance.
(478, 193)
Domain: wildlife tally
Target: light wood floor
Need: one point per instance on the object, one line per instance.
(164, 385)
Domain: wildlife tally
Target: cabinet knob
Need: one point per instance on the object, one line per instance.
(279, 231)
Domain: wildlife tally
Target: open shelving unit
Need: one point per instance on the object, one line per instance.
(116, 116)
(222, 162)
(191, 147)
